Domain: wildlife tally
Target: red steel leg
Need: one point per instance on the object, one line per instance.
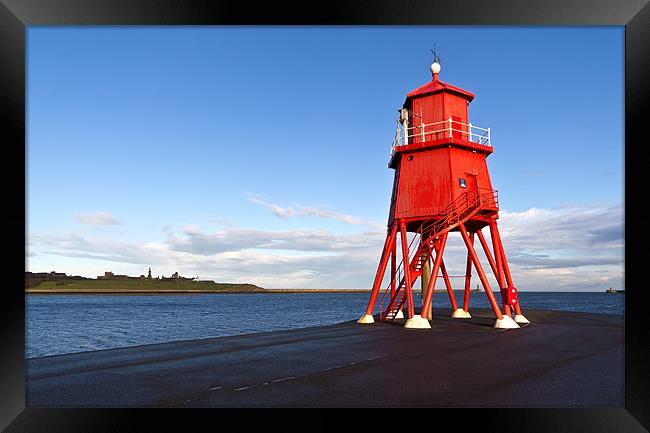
(484, 244)
(452, 298)
(506, 268)
(434, 275)
(481, 273)
(468, 276)
(407, 270)
(497, 255)
(493, 265)
(388, 245)
(393, 269)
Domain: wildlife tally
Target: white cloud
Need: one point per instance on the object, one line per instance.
(323, 260)
(193, 241)
(97, 218)
(302, 211)
(565, 248)
(573, 234)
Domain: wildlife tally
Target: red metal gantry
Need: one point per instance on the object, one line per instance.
(441, 185)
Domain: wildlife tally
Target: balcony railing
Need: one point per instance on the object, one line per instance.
(438, 130)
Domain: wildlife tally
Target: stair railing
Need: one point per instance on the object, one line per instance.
(456, 212)
(399, 280)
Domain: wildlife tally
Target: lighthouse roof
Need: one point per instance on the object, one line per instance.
(435, 86)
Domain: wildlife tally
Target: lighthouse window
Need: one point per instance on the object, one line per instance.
(463, 182)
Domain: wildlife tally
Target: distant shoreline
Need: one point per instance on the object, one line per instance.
(60, 284)
(185, 292)
(67, 291)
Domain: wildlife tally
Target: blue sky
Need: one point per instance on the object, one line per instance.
(258, 154)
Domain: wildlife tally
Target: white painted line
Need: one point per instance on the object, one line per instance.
(332, 368)
(284, 378)
(215, 388)
(242, 388)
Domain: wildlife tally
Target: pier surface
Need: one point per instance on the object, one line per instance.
(560, 360)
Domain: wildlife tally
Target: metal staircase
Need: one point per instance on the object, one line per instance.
(460, 210)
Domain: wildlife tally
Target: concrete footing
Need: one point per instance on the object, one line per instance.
(399, 315)
(461, 314)
(366, 319)
(519, 318)
(417, 322)
(506, 323)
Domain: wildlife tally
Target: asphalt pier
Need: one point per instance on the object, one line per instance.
(560, 360)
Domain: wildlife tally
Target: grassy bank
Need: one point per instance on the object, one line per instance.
(317, 291)
(140, 286)
(143, 286)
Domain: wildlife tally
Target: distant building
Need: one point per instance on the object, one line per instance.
(111, 276)
(176, 277)
(33, 279)
(46, 275)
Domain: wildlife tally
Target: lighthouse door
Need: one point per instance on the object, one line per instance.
(472, 187)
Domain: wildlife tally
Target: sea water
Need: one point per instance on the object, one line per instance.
(57, 324)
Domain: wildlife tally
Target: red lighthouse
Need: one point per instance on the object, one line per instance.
(441, 185)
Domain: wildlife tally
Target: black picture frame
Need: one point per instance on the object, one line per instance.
(17, 15)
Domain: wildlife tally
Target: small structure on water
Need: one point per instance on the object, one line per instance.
(441, 185)
(610, 290)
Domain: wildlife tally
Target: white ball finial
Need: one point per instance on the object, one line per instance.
(435, 68)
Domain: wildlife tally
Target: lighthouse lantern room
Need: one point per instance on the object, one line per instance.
(441, 185)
